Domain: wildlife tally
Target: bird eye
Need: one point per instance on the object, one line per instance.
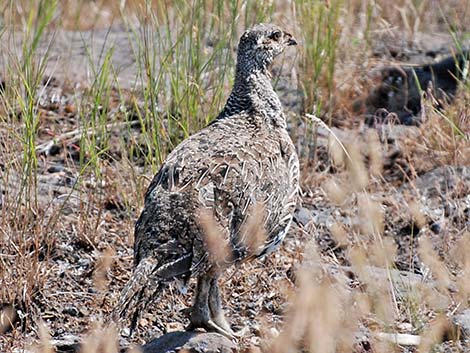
(276, 35)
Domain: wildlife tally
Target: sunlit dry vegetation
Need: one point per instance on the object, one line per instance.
(93, 96)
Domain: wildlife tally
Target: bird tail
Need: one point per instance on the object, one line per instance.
(135, 296)
(148, 279)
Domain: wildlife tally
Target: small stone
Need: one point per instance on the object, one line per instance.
(54, 150)
(55, 168)
(435, 227)
(303, 216)
(72, 311)
(126, 332)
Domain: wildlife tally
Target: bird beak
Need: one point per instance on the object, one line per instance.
(290, 40)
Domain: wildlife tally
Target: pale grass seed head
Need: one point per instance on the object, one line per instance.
(460, 255)
(370, 215)
(382, 252)
(375, 152)
(385, 347)
(357, 170)
(45, 345)
(358, 258)
(433, 334)
(336, 192)
(362, 303)
(101, 340)
(253, 349)
(103, 265)
(340, 234)
(433, 298)
(383, 306)
(378, 292)
(336, 151)
(316, 317)
(326, 316)
(253, 233)
(311, 258)
(439, 270)
(297, 316)
(215, 238)
(417, 213)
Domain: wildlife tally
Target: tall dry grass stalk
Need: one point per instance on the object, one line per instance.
(370, 215)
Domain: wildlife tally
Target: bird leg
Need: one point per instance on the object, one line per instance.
(215, 306)
(201, 315)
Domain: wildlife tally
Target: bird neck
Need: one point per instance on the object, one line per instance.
(253, 94)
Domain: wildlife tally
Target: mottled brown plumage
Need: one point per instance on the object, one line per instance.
(244, 157)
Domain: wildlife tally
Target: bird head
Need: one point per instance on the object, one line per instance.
(260, 45)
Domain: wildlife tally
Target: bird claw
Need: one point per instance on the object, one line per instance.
(226, 331)
(212, 326)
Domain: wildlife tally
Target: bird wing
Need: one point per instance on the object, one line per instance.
(226, 168)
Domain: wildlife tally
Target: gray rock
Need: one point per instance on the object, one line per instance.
(441, 180)
(462, 323)
(403, 281)
(303, 216)
(192, 342)
(67, 343)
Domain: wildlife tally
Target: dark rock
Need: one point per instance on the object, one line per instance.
(72, 311)
(55, 168)
(400, 89)
(54, 150)
(192, 342)
(435, 227)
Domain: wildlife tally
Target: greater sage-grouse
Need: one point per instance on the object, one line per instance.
(245, 157)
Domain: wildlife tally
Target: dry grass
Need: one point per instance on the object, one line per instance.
(76, 158)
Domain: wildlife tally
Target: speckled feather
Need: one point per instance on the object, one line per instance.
(244, 157)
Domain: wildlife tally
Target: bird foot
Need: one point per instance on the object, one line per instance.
(221, 322)
(199, 320)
